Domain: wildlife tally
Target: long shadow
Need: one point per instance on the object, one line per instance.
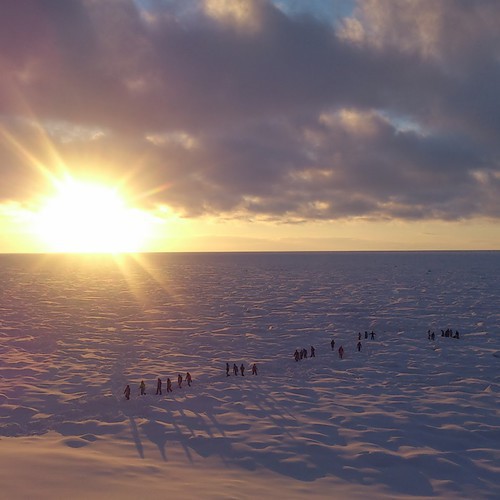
(137, 439)
(156, 434)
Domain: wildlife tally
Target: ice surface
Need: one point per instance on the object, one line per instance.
(404, 417)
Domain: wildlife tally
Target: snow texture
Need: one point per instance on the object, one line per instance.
(405, 417)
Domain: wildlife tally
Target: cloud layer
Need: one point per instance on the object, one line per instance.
(244, 109)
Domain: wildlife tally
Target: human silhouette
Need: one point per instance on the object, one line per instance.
(341, 352)
(235, 369)
(242, 369)
(169, 385)
(179, 381)
(332, 343)
(142, 387)
(313, 352)
(127, 392)
(158, 386)
(227, 369)
(254, 369)
(188, 379)
(359, 346)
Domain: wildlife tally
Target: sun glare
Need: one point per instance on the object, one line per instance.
(85, 217)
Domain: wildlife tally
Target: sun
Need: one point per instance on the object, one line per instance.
(86, 217)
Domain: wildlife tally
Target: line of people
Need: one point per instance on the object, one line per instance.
(159, 385)
(240, 370)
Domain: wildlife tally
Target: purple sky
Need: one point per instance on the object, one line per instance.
(385, 109)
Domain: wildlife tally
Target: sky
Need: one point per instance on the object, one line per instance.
(258, 125)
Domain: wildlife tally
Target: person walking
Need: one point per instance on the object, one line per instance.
(158, 386)
(179, 381)
(254, 369)
(332, 343)
(142, 387)
(127, 392)
(242, 369)
(313, 352)
(169, 385)
(235, 369)
(341, 352)
(188, 379)
(359, 346)
(227, 369)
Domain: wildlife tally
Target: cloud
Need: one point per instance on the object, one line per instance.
(245, 109)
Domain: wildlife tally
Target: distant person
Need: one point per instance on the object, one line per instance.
(235, 369)
(433, 336)
(359, 346)
(366, 334)
(372, 335)
(169, 385)
(242, 369)
(179, 381)
(142, 387)
(188, 379)
(332, 343)
(341, 352)
(304, 350)
(457, 335)
(296, 355)
(313, 352)
(429, 334)
(227, 369)
(158, 386)
(359, 335)
(254, 369)
(127, 392)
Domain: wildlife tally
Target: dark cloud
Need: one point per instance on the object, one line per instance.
(392, 113)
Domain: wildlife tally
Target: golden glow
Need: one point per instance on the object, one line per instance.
(87, 217)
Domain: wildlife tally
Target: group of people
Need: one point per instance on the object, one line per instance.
(159, 385)
(240, 370)
(302, 354)
(444, 333)
(372, 335)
